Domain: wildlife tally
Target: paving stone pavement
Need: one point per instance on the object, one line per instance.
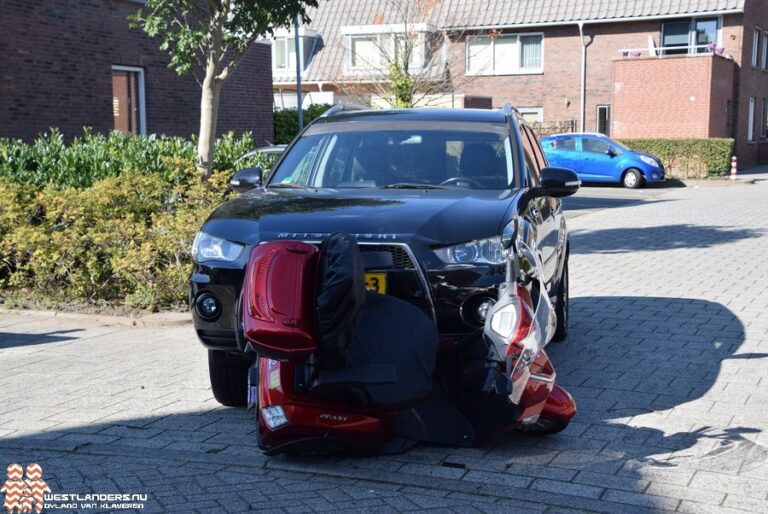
(667, 358)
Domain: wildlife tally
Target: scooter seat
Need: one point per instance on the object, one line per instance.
(360, 330)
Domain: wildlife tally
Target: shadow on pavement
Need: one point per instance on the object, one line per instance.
(13, 340)
(627, 361)
(666, 237)
(586, 202)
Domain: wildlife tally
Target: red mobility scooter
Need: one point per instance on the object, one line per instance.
(341, 368)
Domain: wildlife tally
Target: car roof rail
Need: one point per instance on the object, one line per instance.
(343, 107)
(508, 110)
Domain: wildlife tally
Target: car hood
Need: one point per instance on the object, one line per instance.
(437, 216)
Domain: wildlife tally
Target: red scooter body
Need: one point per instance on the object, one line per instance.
(293, 419)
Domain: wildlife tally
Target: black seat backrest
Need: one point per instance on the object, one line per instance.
(341, 297)
(481, 162)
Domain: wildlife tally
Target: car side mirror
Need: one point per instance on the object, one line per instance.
(246, 179)
(557, 183)
(611, 153)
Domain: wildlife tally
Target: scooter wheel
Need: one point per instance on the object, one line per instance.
(544, 427)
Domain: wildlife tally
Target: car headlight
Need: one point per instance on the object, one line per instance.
(649, 161)
(207, 247)
(484, 251)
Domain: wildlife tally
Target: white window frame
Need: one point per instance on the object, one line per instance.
(765, 50)
(420, 45)
(492, 72)
(751, 120)
(692, 47)
(764, 120)
(142, 94)
(756, 47)
(539, 111)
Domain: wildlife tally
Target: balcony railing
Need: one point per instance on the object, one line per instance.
(628, 53)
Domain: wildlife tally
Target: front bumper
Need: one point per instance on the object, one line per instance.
(447, 294)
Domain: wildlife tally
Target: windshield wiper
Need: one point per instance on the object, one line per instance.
(288, 185)
(411, 185)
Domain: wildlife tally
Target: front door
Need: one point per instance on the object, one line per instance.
(125, 101)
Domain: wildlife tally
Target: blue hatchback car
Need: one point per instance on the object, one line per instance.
(597, 158)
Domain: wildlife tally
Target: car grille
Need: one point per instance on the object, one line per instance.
(401, 260)
(400, 257)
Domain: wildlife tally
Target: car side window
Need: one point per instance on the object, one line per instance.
(530, 160)
(566, 143)
(594, 145)
(537, 152)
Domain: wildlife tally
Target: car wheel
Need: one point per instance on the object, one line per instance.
(632, 179)
(229, 377)
(562, 307)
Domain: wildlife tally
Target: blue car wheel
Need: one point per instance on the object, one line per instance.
(632, 178)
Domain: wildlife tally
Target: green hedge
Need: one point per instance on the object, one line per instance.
(287, 121)
(688, 158)
(106, 220)
(92, 157)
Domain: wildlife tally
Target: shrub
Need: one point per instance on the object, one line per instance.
(126, 240)
(108, 218)
(287, 121)
(688, 158)
(48, 160)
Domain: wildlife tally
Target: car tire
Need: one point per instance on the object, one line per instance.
(229, 377)
(632, 179)
(562, 307)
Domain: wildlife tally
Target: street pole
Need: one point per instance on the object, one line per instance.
(297, 48)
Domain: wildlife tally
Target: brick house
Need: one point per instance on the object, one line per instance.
(76, 63)
(668, 68)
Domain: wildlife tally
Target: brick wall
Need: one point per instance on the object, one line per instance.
(557, 89)
(753, 83)
(674, 97)
(56, 72)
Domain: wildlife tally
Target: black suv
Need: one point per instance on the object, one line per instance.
(426, 193)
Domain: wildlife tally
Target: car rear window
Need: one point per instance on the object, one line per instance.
(369, 156)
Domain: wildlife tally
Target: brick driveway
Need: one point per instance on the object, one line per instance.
(667, 359)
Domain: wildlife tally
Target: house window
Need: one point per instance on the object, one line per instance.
(675, 36)
(365, 52)
(604, 119)
(284, 51)
(532, 114)
(508, 54)
(751, 121)
(756, 48)
(690, 36)
(705, 33)
(375, 51)
(765, 51)
(764, 121)
(128, 107)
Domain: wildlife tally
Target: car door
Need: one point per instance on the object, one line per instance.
(561, 152)
(544, 211)
(598, 157)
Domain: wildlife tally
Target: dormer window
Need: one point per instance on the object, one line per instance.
(284, 49)
(374, 47)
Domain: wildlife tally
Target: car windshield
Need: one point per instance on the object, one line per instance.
(619, 145)
(405, 156)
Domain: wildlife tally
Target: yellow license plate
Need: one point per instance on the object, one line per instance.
(376, 282)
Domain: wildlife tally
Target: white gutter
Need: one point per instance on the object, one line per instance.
(593, 21)
(583, 113)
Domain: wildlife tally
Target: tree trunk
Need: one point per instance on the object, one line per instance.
(209, 108)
